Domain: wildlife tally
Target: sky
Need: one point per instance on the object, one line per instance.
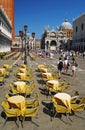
(38, 14)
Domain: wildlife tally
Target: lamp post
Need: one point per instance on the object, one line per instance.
(23, 37)
(25, 58)
(21, 34)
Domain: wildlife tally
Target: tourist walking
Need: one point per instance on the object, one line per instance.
(60, 67)
(65, 65)
(73, 66)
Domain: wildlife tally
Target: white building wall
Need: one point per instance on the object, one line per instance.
(78, 23)
(5, 32)
(79, 33)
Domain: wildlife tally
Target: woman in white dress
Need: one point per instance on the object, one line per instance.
(65, 65)
(73, 66)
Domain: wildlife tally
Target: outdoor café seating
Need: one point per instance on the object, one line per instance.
(32, 103)
(54, 86)
(20, 86)
(62, 104)
(7, 67)
(9, 112)
(31, 112)
(17, 106)
(4, 72)
(42, 66)
(24, 66)
(1, 80)
(24, 71)
(23, 77)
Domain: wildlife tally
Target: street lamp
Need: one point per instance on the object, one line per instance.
(25, 58)
(21, 34)
(23, 37)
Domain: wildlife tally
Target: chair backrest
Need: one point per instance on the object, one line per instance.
(31, 112)
(11, 112)
(36, 95)
(59, 106)
(7, 96)
(37, 103)
(61, 109)
(74, 99)
(5, 104)
(80, 108)
(14, 91)
(82, 101)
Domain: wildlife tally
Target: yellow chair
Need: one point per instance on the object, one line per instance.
(1, 80)
(7, 96)
(77, 107)
(13, 90)
(30, 113)
(51, 91)
(11, 113)
(24, 78)
(32, 103)
(77, 102)
(82, 100)
(29, 90)
(5, 104)
(30, 83)
(4, 72)
(63, 88)
(7, 67)
(74, 99)
(62, 109)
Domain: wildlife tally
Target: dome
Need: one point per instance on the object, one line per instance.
(66, 25)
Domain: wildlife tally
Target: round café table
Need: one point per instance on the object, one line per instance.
(53, 84)
(2, 70)
(63, 97)
(41, 66)
(17, 102)
(23, 66)
(22, 70)
(46, 75)
(20, 86)
(6, 66)
(21, 76)
(44, 70)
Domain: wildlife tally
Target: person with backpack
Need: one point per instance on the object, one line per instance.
(60, 66)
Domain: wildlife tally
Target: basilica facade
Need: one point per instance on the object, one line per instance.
(57, 39)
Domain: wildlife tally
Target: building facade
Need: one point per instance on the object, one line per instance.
(5, 32)
(8, 6)
(79, 33)
(57, 39)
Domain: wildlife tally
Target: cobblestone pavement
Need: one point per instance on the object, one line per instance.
(43, 118)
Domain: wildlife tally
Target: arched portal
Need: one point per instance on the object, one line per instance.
(53, 45)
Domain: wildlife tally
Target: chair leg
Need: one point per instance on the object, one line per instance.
(5, 121)
(16, 122)
(34, 123)
(52, 113)
(68, 118)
